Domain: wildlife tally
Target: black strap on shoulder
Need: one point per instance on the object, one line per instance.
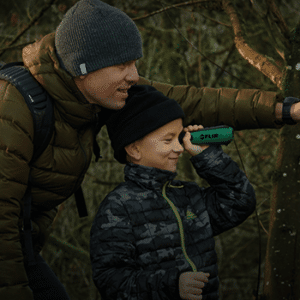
(38, 101)
(80, 203)
(27, 225)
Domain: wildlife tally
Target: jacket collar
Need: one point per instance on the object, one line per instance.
(149, 177)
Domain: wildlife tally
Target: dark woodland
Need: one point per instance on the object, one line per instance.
(243, 44)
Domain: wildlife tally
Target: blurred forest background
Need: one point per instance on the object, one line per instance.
(169, 58)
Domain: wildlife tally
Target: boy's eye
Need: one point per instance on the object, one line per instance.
(168, 140)
(123, 65)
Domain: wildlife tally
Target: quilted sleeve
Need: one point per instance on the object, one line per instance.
(230, 199)
(16, 150)
(115, 271)
(239, 109)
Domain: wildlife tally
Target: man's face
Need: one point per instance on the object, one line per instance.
(161, 148)
(108, 87)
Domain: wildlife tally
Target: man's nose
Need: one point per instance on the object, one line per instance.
(132, 74)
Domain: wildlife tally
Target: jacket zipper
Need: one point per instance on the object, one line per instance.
(173, 207)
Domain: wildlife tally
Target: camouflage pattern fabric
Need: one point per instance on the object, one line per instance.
(135, 243)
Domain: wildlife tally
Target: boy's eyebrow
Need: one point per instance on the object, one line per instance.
(171, 133)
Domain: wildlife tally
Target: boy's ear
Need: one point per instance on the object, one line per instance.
(133, 151)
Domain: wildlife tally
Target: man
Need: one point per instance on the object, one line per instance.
(87, 64)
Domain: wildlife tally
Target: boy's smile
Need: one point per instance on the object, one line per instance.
(160, 148)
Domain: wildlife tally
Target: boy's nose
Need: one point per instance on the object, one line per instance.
(178, 147)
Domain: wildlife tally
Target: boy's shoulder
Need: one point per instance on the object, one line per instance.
(121, 193)
(129, 190)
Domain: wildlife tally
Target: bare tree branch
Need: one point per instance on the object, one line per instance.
(34, 19)
(280, 21)
(207, 57)
(257, 60)
(214, 4)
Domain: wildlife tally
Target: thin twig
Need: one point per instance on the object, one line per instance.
(280, 22)
(176, 5)
(262, 226)
(34, 19)
(266, 211)
(17, 46)
(79, 253)
(224, 65)
(215, 21)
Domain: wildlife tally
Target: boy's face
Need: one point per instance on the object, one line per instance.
(161, 148)
(108, 87)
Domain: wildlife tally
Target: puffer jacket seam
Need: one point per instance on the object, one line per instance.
(7, 99)
(14, 153)
(60, 147)
(52, 172)
(14, 123)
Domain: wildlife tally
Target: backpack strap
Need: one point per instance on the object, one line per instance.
(38, 101)
(40, 104)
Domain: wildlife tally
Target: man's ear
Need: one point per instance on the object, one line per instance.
(133, 151)
(79, 78)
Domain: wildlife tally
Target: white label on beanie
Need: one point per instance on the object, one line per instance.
(83, 69)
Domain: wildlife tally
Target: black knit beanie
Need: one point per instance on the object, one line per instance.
(146, 110)
(93, 35)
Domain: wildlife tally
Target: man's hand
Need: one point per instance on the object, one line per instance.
(188, 146)
(295, 112)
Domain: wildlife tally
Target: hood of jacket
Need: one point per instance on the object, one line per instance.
(41, 59)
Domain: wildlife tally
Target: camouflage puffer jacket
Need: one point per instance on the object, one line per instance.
(138, 240)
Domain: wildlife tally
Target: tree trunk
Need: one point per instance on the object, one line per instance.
(282, 272)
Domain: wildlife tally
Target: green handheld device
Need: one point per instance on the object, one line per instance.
(219, 135)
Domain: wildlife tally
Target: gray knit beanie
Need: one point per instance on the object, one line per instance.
(93, 35)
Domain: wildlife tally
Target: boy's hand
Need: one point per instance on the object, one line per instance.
(191, 285)
(188, 146)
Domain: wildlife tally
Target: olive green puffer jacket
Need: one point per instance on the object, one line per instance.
(60, 170)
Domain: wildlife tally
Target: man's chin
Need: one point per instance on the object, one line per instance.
(116, 106)
(120, 105)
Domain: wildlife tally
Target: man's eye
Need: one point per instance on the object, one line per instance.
(168, 140)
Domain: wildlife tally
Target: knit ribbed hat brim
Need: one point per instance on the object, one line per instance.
(94, 35)
(146, 110)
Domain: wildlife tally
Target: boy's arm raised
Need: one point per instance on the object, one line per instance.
(116, 273)
(230, 199)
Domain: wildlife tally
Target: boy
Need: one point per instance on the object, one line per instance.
(152, 237)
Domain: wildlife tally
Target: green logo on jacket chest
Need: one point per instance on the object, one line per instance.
(190, 215)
